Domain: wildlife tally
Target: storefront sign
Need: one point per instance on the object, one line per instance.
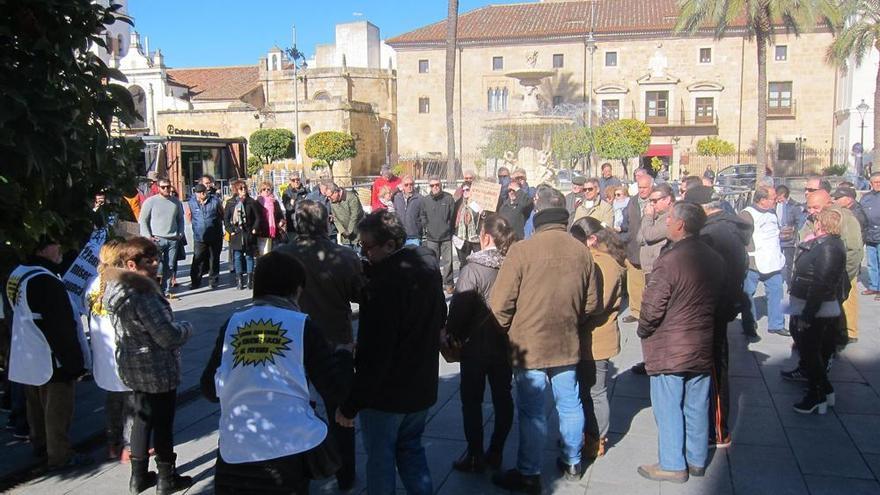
(174, 131)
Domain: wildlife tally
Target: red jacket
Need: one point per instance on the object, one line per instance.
(393, 182)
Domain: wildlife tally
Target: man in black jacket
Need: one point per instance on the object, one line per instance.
(49, 369)
(402, 311)
(728, 235)
(294, 193)
(408, 206)
(438, 218)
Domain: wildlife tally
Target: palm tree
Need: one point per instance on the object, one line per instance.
(451, 44)
(856, 40)
(760, 17)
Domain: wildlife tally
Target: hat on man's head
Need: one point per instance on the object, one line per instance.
(153, 175)
(699, 194)
(844, 191)
(579, 180)
(200, 188)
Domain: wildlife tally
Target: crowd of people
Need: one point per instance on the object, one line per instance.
(542, 284)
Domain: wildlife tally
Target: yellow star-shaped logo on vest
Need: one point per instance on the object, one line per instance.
(257, 342)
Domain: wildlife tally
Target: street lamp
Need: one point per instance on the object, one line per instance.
(801, 151)
(590, 45)
(386, 130)
(863, 109)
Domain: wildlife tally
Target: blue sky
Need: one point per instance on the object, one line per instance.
(201, 33)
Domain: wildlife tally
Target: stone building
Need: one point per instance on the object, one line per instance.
(209, 105)
(617, 59)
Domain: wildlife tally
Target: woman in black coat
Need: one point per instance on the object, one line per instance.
(243, 221)
(485, 349)
(817, 288)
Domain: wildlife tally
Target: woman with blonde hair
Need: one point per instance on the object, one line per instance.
(619, 200)
(272, 226)
(117, 408)
(818, 285)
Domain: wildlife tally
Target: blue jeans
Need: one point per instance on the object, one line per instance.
(681, 410)
(530, 387)
(873, 255)
(413, 242)
(242, 260)
(167, 261)
(395, 439)
(773, 288)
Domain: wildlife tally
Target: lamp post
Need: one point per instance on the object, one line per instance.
(862, 108)
(801, 151)
(590, 43)
(295, 55)
(386, 130)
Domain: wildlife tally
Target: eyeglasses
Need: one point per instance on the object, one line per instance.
(618, 195)
(165, 187)
(295, 180)
(519, 178)
(434, 185)
(265, 189)
(589, 189)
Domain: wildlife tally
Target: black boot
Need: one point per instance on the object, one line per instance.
(141, 477)
(250, 280)
(169, 481)
(470, 463)
(815, 400)
(241, 282)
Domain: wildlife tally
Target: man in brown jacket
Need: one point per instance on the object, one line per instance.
(676, 328)
(543, 294)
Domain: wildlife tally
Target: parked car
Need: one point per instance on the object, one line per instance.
(564, 175)
(739, 175)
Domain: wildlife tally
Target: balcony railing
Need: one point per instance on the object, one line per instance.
(678, 119)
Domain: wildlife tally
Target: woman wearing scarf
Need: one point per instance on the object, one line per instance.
(386, 199)
(272, 225)
(467, 233)
(602, 335)
(243, 221)
(485, 348)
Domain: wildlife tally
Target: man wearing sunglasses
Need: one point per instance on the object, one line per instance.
(593, 206)
(161, 220)
(294, 193)
(438, 217)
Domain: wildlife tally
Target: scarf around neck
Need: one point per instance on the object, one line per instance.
(268, 203)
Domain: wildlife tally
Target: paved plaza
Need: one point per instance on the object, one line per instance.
(775, 450)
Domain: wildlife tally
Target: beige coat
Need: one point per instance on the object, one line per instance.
(542, 296)
(603, 212)
(602, 335)
(651, 238)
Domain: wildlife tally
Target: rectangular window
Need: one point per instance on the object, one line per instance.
(787, 151)
(657, 107)
(610, 110)
(705, 55)
(779, 98)
(610, 59)
(705, 111)
(424, 105)
(781, 53)
(557, 100)
(558, 61)
(423, 66)
(497, 63)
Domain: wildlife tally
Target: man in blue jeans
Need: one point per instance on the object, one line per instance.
(766, 260)
(161, 219)
(544, 291)
(402, 311)
(676, 327)
(871, 204)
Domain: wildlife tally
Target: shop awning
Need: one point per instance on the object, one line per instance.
(659, 150)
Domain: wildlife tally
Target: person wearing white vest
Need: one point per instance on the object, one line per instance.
(271, 440)
(47, 354)
(766, 260)
(102, 339)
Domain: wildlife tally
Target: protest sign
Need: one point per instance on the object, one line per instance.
(83, 270)
(485, 194)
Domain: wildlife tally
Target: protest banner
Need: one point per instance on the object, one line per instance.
(83, 270)
(485, 195)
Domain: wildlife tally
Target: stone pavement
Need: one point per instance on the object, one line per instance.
(775, 450)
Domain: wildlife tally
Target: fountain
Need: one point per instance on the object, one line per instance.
(533, 128)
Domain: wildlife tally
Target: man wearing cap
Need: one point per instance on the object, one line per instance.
(728, 235)
(845, 197)
(293, 194)
(205, 213)
(575, 197)
(386, 178)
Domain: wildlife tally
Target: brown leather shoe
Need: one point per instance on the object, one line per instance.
(653, 472)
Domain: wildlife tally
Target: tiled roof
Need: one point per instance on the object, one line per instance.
(217, 83)
(550, 19)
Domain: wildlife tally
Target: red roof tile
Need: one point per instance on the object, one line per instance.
(217, 83)
(550, 19)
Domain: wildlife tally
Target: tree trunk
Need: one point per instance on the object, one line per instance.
(761, 145)
(451, 45)
(875, 155)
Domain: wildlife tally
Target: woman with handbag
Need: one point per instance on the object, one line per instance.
(484, 348)
(243, 222)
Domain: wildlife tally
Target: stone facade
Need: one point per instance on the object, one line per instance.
(644, 62)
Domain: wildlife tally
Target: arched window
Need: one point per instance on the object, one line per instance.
(140, 104)
(321, 95)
